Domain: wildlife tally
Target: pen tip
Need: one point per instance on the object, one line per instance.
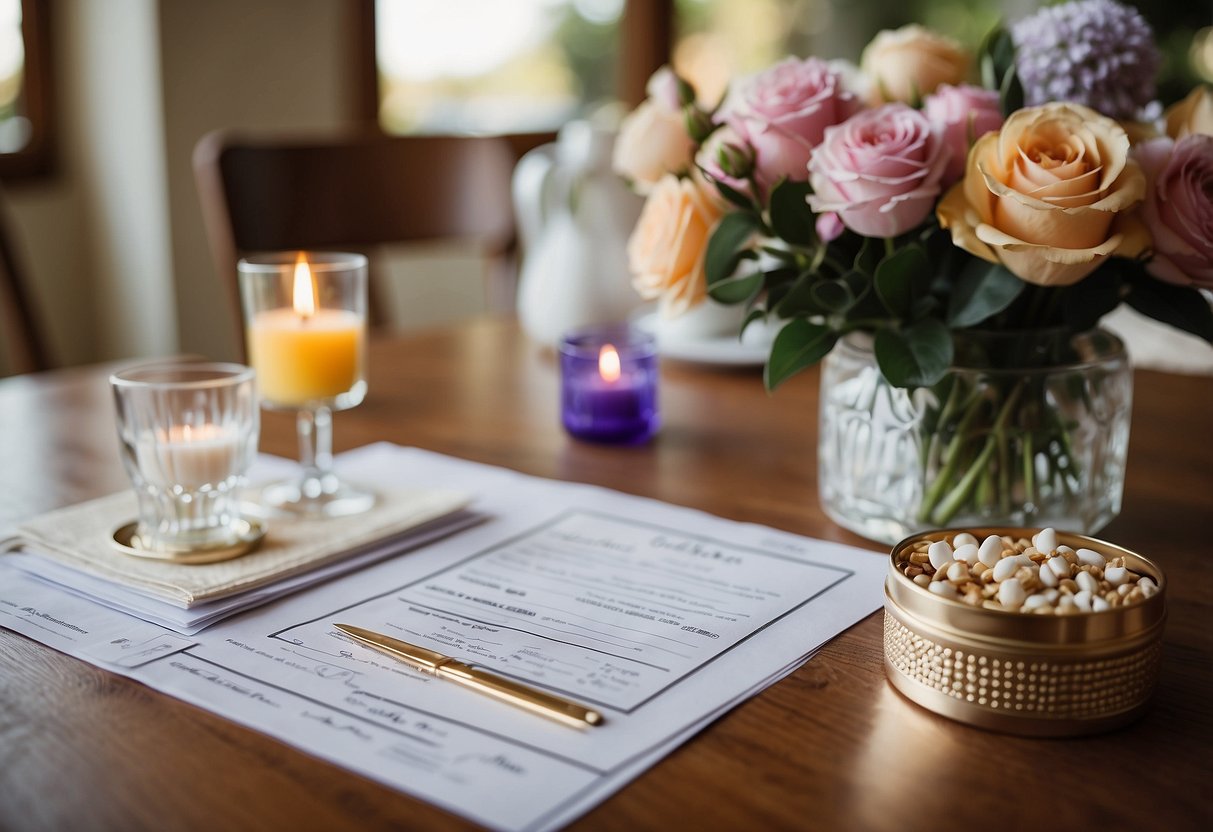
(593, 718)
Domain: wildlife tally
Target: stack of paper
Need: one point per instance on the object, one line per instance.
(659, 617)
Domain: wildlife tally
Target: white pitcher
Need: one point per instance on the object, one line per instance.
(575, 216)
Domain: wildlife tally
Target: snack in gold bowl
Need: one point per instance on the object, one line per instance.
(1025, 631)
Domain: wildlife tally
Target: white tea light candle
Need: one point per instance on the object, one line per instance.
(189, 457)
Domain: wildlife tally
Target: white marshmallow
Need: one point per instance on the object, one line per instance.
(1011, 594)
(1086, 581)
(943, 588)
(1035, 601)
(967, 553)
(1007, 567)
(1116, 575)
(963, 539)
(1089, 557)
(991, 550)
(939, 553)
(1060, 566)
(1045, 540)
(1049, 578)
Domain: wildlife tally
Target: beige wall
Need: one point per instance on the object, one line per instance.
(235, 63)
(114, 240)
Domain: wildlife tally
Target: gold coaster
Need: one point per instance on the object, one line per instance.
(249, 534)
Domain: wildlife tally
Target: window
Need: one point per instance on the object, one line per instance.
(25, 111)
(492, 67)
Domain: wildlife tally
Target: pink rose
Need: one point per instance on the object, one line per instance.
(785, 110)
(829, 227)
(965, 114)
(880, 170)
(1179, 208)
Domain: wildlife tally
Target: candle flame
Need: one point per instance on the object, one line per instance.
(305, 288)
(608, 363)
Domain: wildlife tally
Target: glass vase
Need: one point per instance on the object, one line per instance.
(1026, 429)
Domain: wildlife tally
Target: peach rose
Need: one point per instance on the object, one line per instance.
(1192, 115)
(667, 248)
(653, 138)
(1050, 195)
(909, 63)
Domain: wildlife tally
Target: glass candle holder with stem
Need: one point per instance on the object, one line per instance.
(305, 325)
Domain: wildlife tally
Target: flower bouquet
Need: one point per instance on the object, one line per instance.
(950, 245)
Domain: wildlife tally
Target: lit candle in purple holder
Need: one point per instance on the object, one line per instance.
(609, 385)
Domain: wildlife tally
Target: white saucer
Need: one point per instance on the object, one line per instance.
(722, 350)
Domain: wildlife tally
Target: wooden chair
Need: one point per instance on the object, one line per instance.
(21, 339)
(354, 191)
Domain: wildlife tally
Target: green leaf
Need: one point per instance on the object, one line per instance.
(1182, 307)
(1088, 300)
(998, 69)
(726, 245)
(832, 295)
(798, 345)
(1010, 92)
(997, 52)
(736, 289)
(982, 290)
(869, 256)
(791, 217)
(916, 356)
(733, 195)
(751, 316)
(867, 304)
(799, 298)
(902, 277)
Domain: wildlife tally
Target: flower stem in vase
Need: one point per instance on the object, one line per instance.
(952, 454)
(963, 490)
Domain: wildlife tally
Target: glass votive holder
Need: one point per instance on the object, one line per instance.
(188, 433)
(608, 384)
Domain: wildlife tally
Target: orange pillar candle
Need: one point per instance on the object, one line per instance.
(305, 353)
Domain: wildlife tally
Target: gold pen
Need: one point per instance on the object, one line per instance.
(499, 687)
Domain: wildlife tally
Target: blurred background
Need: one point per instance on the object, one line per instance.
(101, 104)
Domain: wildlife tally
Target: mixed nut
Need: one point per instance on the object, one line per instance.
(1036, 576)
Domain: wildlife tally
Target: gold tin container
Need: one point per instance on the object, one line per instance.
(1021, 673)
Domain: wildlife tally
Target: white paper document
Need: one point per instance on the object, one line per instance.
(660, 617)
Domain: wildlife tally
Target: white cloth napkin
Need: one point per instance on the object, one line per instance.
(80, 537)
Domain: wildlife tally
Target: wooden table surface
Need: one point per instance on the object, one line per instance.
(831, 747)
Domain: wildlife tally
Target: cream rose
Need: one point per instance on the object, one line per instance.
(667, 249)
(907, 64)
(1050, 195)
(653, 139)
(1192, 115)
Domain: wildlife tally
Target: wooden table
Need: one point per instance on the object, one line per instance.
(831, 747)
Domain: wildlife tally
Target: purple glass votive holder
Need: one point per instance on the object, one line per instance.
(608, 384)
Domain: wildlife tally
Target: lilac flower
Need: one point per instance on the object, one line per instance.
(1093, 52)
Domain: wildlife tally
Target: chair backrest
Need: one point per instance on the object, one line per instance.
(279, 192)
(24, 346)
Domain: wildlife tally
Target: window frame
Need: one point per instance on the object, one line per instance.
(37, 157)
